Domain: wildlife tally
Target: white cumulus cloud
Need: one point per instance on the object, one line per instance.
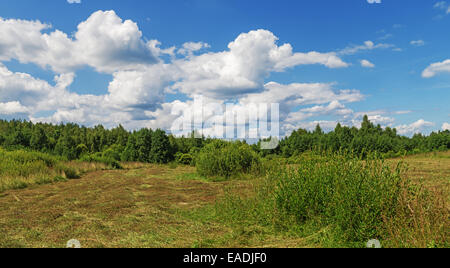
(104, 41)
(13, 107)
(141, 79)
(436, 68)
(446, 126)
(243, 68)
(416, 127)
(367, 64)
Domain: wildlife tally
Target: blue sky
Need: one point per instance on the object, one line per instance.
(387, 60)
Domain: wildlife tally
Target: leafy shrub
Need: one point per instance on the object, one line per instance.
(346, 192)
(81, 149)
(101, 158)
(227, 159)
(343, 201)
(113, 152)
(184, 159)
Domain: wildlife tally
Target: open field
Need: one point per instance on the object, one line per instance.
(431, 169)
(158, 206)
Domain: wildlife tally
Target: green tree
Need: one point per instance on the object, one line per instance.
(39, 140)
(160, 151)
(131, 151)
(66, 147)
(144, 145)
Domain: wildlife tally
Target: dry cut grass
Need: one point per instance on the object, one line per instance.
(169, 206)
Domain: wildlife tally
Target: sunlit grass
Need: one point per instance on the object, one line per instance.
(145, 205)
(20, 169)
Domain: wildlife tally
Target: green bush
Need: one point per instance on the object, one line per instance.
(113, 152)
(184, 159)
(101, 158)
(338, 200)
(81, 149)
(350, 194)
(227, 159)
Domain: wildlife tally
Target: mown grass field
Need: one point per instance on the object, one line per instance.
(431, 169)
(160, 206)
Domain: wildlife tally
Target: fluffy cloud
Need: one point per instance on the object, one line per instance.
(108, 43)
(23, 40)
(13, 107)
(414, 128)
(111, 45)
(139, 88)
(436, 68)
(333, 106)
(141, 78)
(367, 64)
(380, 119)
(243, 68)
(446, 126)
(374, 1)
(23, 94)
(295, 95)
(190, 47)
(74, 1)
(295, 120)
(302, 94)
(104, 41)
(292, 97)
(22, 87)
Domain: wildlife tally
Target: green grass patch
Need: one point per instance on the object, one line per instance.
(20, 169)
(338, 200)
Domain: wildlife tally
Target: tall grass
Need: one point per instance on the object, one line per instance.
(350, 200)
(106, 159)
(421, 220)
(345, 192)
(19, 169)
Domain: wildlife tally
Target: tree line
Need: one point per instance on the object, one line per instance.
(73, 141)
(361, 141)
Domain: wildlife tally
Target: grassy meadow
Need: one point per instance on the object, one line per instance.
(20, 169)
(318, 200)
